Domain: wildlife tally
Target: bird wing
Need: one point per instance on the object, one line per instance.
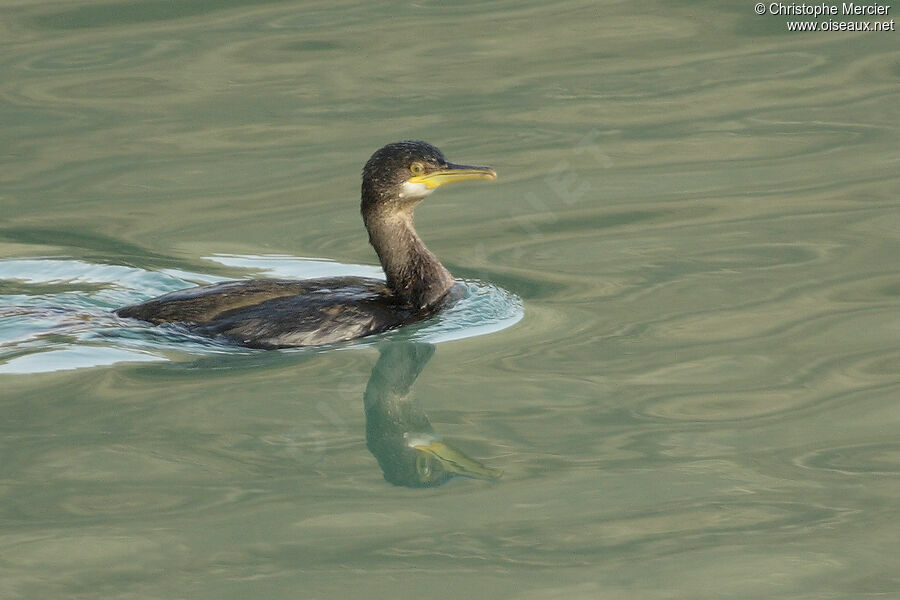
(274, 313)
(324, 316)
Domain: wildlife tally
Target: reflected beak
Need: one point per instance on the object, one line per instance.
(456, 462)
(450, 173)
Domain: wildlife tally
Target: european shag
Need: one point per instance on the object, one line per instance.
(276, 313)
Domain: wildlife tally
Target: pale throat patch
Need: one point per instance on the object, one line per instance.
(414, 190)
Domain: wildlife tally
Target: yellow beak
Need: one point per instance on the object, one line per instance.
(451, 173)
(456, 462)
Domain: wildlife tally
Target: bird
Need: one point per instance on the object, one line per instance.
(282, 313)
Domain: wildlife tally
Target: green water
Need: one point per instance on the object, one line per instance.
(697, 209)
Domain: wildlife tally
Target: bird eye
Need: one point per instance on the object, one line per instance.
(417, 168)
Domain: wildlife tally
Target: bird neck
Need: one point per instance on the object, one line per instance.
(414, 274)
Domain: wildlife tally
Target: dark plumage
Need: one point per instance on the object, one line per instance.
(270, 313)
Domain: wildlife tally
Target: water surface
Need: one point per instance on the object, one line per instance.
(697, 209)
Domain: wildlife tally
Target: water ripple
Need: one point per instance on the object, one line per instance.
(875, 458)
(55, 313)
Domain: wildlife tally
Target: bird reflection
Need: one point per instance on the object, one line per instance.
(398, 432)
